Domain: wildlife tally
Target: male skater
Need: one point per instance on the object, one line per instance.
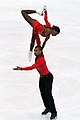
(45, 81)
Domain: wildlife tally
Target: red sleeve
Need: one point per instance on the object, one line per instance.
(36, 65)
(38, 40)
(46, 19)
(31, 67)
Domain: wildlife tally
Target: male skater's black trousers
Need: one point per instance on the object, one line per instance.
(45, 86)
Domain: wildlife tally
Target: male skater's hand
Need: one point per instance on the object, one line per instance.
(17, 68)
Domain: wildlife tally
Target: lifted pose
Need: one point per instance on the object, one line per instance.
(44, 30)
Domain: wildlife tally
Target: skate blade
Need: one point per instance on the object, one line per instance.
(54, 118)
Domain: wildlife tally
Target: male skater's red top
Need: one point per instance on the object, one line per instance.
(40, 65)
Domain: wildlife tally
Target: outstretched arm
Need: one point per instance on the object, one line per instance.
(39, 63)
(32, 41)
(46, 39)
(38, 42)
(26, 68)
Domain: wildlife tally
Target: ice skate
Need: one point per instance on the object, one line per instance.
(53, 116)
(43, 10)
(45, 111)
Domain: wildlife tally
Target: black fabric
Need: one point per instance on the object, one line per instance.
(45, 86)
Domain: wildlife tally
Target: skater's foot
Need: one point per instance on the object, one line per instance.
(43, 10)
(45, 111)
(53, 115)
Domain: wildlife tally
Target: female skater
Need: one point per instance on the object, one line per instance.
(44, 30)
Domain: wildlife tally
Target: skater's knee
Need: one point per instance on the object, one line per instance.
(22, 12)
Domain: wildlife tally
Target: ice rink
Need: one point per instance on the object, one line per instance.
(19, 92)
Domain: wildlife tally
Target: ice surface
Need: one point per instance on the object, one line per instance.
(19, 93)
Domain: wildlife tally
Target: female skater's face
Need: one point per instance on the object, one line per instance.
(54, 33)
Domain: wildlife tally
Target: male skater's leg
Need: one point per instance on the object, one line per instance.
(43, 95)
(48, 92)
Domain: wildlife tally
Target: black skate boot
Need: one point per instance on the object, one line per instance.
(53, 115)
(45, 111)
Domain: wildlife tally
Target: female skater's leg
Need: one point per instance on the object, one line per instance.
(27, 17)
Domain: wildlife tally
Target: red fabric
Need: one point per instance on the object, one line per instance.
(46, 19)
(39, 28)
(40, 65)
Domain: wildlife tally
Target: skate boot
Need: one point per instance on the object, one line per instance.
(43, 10)
(45, 111)
(53, 115)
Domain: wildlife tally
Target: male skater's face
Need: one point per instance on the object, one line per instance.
(37, 52)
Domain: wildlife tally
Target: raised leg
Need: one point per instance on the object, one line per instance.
(27, 17)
